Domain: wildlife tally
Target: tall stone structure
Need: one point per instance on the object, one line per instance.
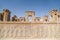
(1, 16)
(6, 15)
(58, 16)
(53, 15)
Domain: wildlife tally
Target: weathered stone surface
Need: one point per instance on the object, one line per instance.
(29, 30)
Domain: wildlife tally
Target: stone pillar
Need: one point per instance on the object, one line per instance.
(53, 15)
(45, 18)
(33, 17)
(58, 17)
(6, 15)
(1, 17)
(26, 17)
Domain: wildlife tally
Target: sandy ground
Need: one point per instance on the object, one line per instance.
(32, 39)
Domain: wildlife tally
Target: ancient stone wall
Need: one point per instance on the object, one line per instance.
(29, 30)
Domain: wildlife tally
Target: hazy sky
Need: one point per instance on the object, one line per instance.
(41, 7)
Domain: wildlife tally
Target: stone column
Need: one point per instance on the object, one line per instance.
(6, 15)
(1, 17)
(32, 18)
